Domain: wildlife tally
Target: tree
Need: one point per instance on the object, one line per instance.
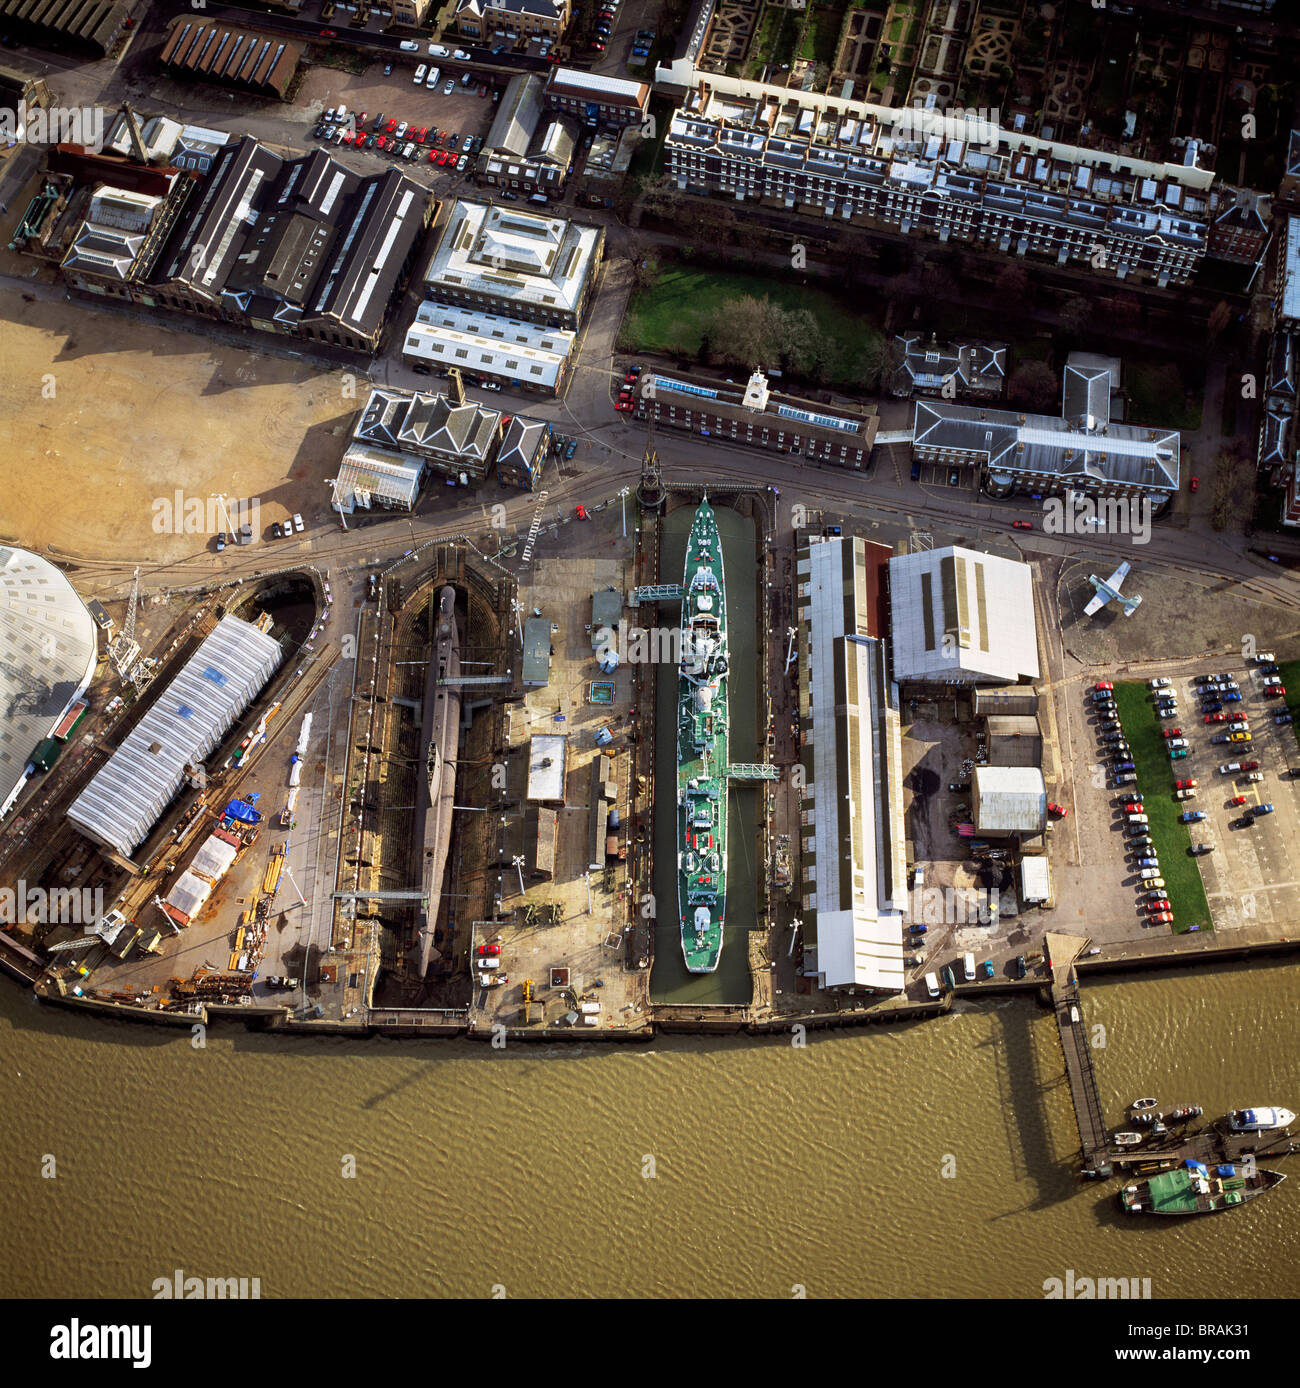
(1220, 317)
(1075, 315)
(1122, 310)
(741, 331)
(1012, 285)
(1033, 386)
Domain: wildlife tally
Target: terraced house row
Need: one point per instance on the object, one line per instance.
(954, 178)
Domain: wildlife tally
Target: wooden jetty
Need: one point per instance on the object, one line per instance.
(1212, 1144)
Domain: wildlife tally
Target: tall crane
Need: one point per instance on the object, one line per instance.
(124, 650)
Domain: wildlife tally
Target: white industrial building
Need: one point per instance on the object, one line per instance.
(853, 853)
(522, 355)
(502, 260)
(374, 477)
(48, 650)
(547, 760)
(1008, 800)
(961, 617)
(185, 724)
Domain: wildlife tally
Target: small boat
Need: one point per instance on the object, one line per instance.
(1259, 1120)
(1184, 1113)
(1129, 1139)
(1139, 1104)
(1146, 1118)
(1193, 1189)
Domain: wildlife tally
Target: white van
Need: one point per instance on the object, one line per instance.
(419, 75)
(932, 985)
(409, 46)
(436, 50)
(434, 75)
(968, 967)
(461, 54)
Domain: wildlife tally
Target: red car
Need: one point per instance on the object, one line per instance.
(1196, 483)
(328, 34)
(630, 379)
(1275, 689)
(1057, 811)
(1250, 766)
(1022, 525)
(1237, 800)
(1215, 717)
(1185, 785)
(433, 156)
(392, 125)
(419, 137)
(581, 513)
(1134, 807)
(1159, 904)
(1173, 732)
(363, 117)
(1104, 684)
(442, 157)
(488, 951)
(1163, 918)
(625, 405)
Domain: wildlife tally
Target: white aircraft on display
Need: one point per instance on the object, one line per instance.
(1108, 590)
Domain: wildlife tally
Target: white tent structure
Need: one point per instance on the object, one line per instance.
(186, 722)
(47, 658)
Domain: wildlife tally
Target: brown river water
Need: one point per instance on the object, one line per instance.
(932, 1159)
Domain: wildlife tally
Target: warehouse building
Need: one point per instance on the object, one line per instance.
(87, 26)
(376, 477)
(184, 725)
(598, 101)
(1008, 800)
(208, 51)
(536, 670)
(961, 617)
(525, 356)
(522, 454)
(48, 652)
(516, 264)
(1015, 741)
(854, 852)
(547, 759)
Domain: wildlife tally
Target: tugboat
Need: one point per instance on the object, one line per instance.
(1192, 1189)
(1259, 1120)
(702, 770)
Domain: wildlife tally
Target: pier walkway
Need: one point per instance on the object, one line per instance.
(1211, 1144)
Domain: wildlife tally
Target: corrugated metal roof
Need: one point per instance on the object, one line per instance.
(186, 722)
(1009, 799)
(1035, 878)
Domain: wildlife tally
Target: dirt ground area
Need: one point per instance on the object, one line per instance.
(588, 936)
(114, 415)
(1180, 617)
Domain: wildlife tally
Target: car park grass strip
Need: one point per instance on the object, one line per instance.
(1155, 779)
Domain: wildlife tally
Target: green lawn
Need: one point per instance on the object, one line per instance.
(1290, 677)
(670, 316)
(1157, 395)
(823, 33)
(1156, 775)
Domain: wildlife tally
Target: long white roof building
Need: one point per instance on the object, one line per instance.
(187, 721)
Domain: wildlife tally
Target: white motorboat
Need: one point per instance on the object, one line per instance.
(1259, 1120)
(1129, 1139)
(1139, 1104)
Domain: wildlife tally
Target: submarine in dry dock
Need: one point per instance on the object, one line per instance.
(442, 729)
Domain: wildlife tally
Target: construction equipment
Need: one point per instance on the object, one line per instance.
(124, 650)
(528, 1001)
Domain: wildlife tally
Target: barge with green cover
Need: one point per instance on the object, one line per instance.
(1194, 1189)
(702, 770)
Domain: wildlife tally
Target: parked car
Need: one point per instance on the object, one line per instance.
(1275, 691)
(1192, 816)
(1125, 778)
(297, 521)
(409, 46)
(1105, 684)
(1163, 918)
(1138, 818)
(1189, 784)
(1214, 718)
(1229, 767)
(221, 540)
(1237, 800)
(1020, 966)
(1255, 776)
(1283, 717)
(1148, 862)
(1171, 733)
(1195, 484)
(1250, 766)
(1159, 683)
(1245, 737)
(1231, 696)
(1056, 811)
(1125, 766)
(1176, 742)
(1178, 753)
(1022, 525)
(1263, 809)
(1198, 849)
(1184, 794)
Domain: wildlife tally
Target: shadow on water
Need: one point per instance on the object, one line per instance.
(730, 983)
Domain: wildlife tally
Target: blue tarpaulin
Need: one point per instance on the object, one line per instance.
(242, 811)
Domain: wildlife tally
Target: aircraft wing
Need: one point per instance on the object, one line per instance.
(1096, 604)
(1119, 575)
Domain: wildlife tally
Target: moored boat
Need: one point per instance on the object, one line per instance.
(1196, 1189)
(1129, 1139)
(1259, 1120)
(1139, 1104)
(1184, 1113)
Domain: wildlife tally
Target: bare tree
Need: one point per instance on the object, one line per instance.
(1033, 386)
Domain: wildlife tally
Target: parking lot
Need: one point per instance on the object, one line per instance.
(1245, 860)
